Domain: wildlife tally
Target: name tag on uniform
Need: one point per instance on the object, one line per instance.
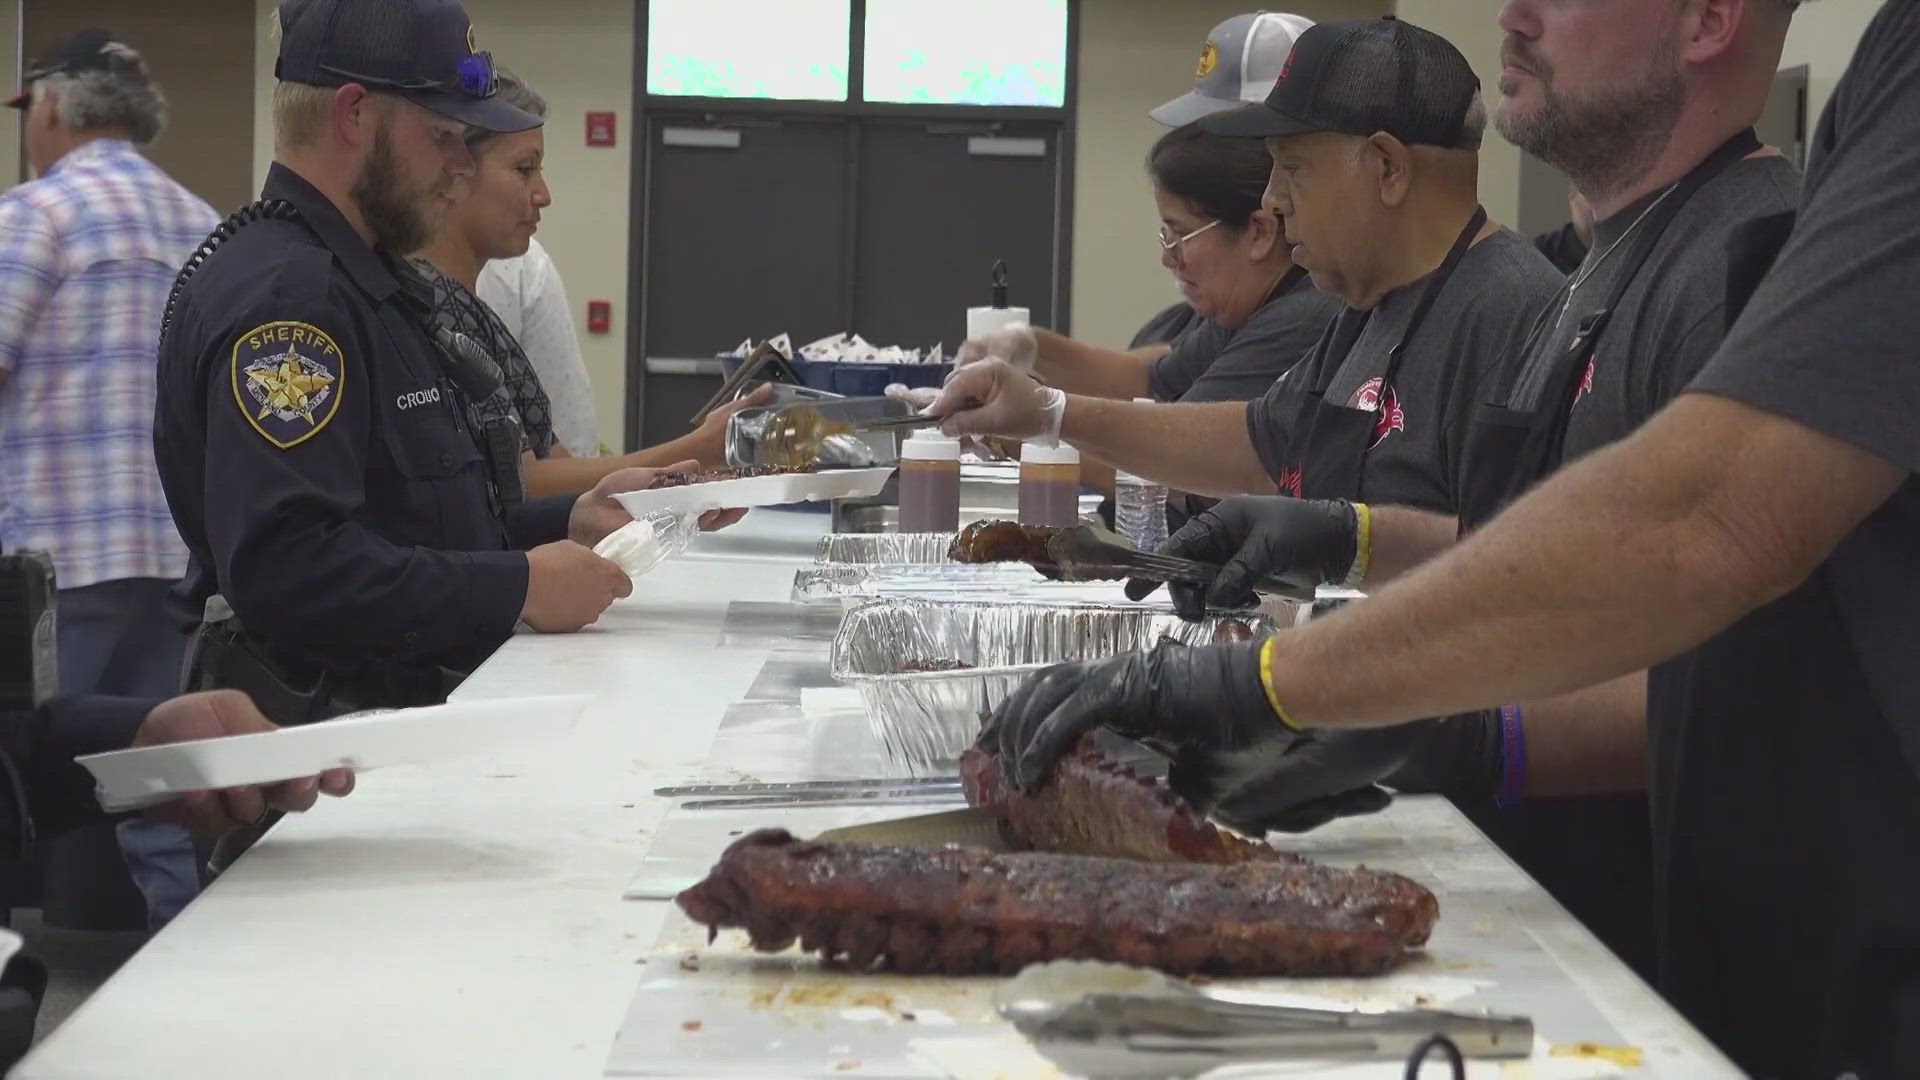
(417, 398)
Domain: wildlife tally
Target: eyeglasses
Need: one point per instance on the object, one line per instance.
(472, 76)
(1169, 245)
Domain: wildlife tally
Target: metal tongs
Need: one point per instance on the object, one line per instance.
(1081, 553)
(1111, 1020)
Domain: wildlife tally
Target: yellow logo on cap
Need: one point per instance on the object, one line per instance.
(1209, 59)
(471, 47)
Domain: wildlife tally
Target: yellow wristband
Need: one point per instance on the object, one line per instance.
(1266, 682)
(1363, 545)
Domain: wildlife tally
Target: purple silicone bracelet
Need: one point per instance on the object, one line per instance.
(1513, 758)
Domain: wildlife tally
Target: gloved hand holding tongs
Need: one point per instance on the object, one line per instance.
(1301, 543)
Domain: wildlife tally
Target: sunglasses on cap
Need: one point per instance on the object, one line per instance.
(473, 76)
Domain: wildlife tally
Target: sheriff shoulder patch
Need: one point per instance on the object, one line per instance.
(287, 378)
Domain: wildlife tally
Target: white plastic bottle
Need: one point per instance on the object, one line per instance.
(929, 483)
(1049, 484)
(1139, 508)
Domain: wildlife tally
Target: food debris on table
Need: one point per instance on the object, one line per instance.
(1627, 1057)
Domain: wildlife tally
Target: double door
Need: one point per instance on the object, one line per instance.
(754, 225)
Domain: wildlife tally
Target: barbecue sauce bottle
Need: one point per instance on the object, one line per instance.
(1049, 484)
(929, 483)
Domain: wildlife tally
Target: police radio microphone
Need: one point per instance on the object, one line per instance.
(28, 675)
(499, 438)
(468, 364)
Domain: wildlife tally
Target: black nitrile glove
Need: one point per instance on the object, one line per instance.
(1307, 542)
(1206, 697)
(1328, 774)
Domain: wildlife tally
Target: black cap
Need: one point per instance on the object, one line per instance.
(421, 50)
(1360, 76)
(88, 50)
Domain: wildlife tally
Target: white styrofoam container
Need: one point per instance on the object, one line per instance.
(758, 491)
(143, 775)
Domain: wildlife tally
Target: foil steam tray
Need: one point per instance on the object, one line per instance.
(834, 580)
(923, 720)
(864, 549)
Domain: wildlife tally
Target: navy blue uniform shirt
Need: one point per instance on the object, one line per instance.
(318, 460)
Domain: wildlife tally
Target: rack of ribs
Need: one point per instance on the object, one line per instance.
(959, 911)
(1092, 805)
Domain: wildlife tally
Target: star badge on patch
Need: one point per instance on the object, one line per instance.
(286, 379)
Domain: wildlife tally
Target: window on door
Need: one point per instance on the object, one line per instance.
(991, 53)
(782, 50)
(1001, 52)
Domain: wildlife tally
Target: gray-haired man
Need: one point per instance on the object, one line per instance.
(87, 254)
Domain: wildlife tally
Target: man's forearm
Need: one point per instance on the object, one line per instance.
(1589, 742)
(1079, 368)
(1623, 560)
(1203, 449)
(1403, 538)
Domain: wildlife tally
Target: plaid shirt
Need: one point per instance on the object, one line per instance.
(88, 254)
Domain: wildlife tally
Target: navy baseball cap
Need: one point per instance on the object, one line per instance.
(1359, 76)
(421, 50)
(88, 50)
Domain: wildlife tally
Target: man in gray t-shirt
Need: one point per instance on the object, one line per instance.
(1381, 208)
(1481, 313)
(1671, 317)
(1685, 176)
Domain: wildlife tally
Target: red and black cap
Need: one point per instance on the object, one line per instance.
(88, 50)
(421, 50)
(1360, 76)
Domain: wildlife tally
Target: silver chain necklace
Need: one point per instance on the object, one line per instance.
(1593, 263)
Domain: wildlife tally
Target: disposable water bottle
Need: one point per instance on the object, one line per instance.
(1140, 511)
(1139, 508)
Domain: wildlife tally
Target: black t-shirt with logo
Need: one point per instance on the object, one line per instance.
(1483, 312)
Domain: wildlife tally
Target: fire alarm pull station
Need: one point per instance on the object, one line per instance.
(599, 316)
(600, 129)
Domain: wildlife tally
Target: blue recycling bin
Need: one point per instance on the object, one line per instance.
(857, 380)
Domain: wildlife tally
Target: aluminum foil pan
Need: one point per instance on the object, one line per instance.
(870, 548)
(923, 720)
(831, 581)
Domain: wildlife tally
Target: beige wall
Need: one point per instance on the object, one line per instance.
(579, 55)
(1472, 27)
(197, 50)
(1135, 54)
(1823, 38)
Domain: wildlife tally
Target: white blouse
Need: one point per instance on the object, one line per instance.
(527, 294)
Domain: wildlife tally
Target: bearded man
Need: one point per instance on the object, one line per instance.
(357, 533)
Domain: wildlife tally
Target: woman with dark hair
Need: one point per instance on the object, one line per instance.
(1257, 312)
(494, 215)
